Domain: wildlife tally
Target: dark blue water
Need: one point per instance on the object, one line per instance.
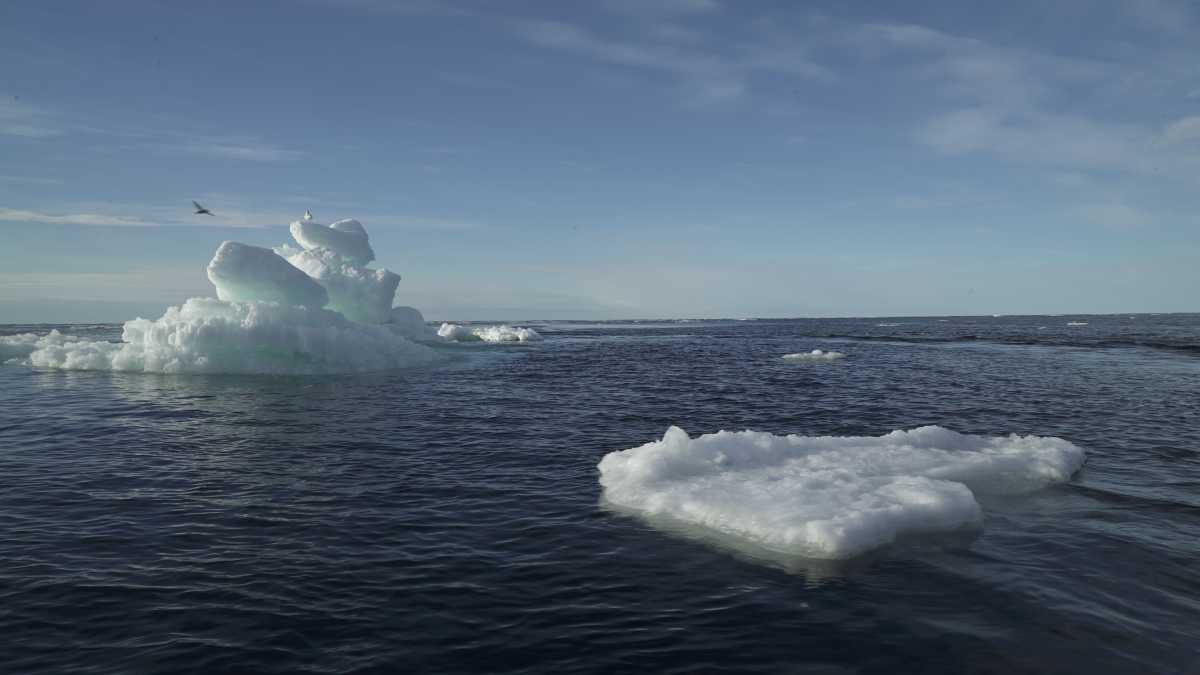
(448, 519)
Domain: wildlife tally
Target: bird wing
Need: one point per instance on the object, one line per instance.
(197, 205)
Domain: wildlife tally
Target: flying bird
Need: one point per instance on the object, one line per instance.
(200, 209)
(307, 214)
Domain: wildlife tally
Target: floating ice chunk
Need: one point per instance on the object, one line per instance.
(507, 334)
(409, 322)
(242, 272)
(17, 348)
(360, 293)
(213, 336)
(501, 333)
(827, 496)
(814, 355)
(347, 238)
(457, 333)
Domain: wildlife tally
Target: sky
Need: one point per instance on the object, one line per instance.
(612, 158)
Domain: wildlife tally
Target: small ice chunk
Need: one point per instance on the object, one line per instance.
(827, 496)
(243, 272)
(456, 333)
(347, 238)
(499, 333)
(814, 355)
(504, 333)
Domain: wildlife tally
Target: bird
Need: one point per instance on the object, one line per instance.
(200, 209)
(307, 214)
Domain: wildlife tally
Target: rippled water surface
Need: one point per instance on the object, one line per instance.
(449, 519)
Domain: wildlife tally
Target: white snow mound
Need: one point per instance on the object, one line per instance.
(827, 496)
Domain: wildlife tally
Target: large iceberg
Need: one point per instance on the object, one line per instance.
(827, 497)
(316, 310)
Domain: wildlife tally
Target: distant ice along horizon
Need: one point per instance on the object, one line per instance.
(313, 309)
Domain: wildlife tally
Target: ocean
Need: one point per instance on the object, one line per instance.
(450, 518)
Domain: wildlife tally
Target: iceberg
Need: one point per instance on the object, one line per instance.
(827, 497)
(317, 309)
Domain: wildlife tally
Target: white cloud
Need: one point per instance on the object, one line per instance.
(1183, 130)
(1116, 216)
(16, 215)
(1027, 106)
(254, 151)
(1160, 15)
(660, 7)
(30, 180)
(229, 212)
(159, 284)
(1066, 140)
(27, 121)
(708, 73)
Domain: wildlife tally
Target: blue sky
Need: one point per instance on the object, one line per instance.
(616, 158)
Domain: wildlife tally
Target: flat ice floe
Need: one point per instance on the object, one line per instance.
(500, 333)
(815, 355)
(827, 497)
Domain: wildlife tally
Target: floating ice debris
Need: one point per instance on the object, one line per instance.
(814, 355)
(500, 333)
(827, 496)
(456, 333)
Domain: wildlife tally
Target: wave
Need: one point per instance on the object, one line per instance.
(1097, 343)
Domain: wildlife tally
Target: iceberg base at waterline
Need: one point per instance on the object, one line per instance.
(206, 335)
(318, 309)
